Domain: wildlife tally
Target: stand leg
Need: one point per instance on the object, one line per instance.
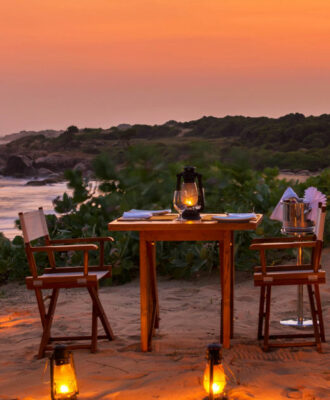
(299, 322)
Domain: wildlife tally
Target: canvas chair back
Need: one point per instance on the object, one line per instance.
(320, 221)
(33, 225)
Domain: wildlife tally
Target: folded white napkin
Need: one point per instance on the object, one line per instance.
(143, 214)
(153, 212)
(278, 210)
(242, 215)
(136, 215)
(314, 197)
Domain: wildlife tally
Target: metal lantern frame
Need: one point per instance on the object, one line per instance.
(189, 175)
(214, 358)
(62, 356)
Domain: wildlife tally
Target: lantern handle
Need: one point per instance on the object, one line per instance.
(200, 192)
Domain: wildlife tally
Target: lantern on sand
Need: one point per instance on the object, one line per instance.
(214, 381)
(63, 379)
(192, 193)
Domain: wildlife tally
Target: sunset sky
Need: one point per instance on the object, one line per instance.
(98, 63)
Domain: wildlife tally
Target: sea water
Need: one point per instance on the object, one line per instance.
(16, 196)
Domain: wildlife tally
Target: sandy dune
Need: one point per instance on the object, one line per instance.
(189, 321)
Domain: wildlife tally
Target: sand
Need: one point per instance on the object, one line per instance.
(301, 176)
(189, 313)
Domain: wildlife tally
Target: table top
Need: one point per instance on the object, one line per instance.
(206, 223)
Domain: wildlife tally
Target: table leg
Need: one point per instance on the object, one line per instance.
(148, 292)
(226, 282)
(144, 293)
(232, 284)
(221, 286)
(151, 251)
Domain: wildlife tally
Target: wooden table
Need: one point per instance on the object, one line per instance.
(152, 231)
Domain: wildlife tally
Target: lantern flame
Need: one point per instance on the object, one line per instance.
(64, 389)
(189, 202)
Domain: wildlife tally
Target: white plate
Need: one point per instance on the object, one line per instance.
(227, 218)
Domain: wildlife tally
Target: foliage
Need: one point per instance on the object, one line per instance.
(72, 129)
(13, 264)
(146, 179)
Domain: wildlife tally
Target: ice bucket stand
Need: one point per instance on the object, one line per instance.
(300, 321)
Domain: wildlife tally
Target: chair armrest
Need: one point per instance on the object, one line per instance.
(282, 245)
(101, 241)
(283, 239)
(75, 247)
(83, 240)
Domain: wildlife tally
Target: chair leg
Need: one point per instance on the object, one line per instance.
(261, 311)
(94, 330)
(100, 312)
(319, 312)
(267, 318)
(315, 324)
(41, 306)
(48, 323)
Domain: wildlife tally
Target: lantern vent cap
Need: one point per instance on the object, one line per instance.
(189, 174)
(214, 353)
(61, 355)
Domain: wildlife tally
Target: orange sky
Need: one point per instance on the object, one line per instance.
(103, 62)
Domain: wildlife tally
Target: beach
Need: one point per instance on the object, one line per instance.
(189, 312)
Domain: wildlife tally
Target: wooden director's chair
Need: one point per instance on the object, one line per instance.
(34, 226)
(309, 274)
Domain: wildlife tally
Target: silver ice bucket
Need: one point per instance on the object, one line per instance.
(296, 216)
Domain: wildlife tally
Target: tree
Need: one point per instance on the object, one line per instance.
(72, 129)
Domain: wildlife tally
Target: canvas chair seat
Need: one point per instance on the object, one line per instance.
(66, 279)
(55, 278)
(304, 277)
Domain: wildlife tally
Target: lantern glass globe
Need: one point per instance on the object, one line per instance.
(219, 379)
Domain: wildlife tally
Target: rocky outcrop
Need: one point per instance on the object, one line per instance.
(56, 162)
(19, 166)
(43, 182)
(47, 167)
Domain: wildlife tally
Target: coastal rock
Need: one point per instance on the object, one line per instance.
(81, 166)
(19, 166)
(43, 182)
(44, 172)
(56, 162)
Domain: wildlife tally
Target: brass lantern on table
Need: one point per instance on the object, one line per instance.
(192, 193)
(214, 380)
(63, 379)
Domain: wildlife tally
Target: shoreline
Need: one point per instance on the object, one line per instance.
(300, 176)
